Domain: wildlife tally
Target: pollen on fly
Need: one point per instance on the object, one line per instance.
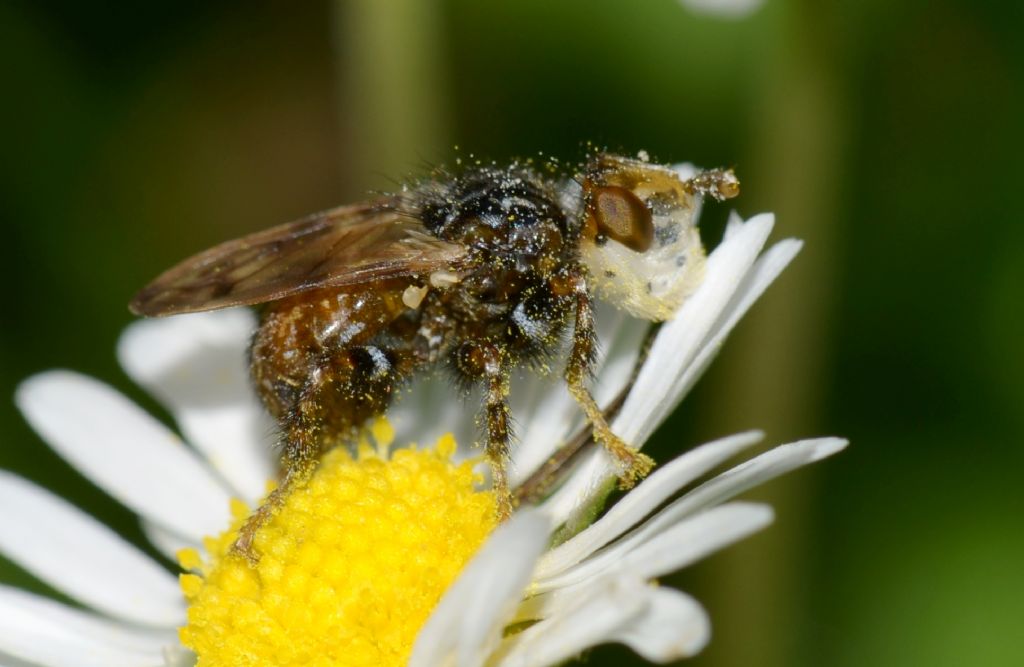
(479, 272)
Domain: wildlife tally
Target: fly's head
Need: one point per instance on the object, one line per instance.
(639, 238)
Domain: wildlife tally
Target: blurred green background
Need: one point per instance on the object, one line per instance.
(887, 135)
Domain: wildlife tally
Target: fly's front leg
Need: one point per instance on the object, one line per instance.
(634, 465)
(485, 362)
(720, 184)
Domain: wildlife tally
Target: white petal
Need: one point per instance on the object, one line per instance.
(588, 620)
(125, 451)
(80, 556)
(659, 624)
(196, 365)
(7, 660)
(680, 339)
(673, 626)
(749, 474)
(674, 349)
(179, 656)
(762, 274)
(647, 416)
(733, 225)
(663, 483)
(471, 614)
(771, 464)
(543, 414)
(48, 633)
(430, 408)
(167, 542)
(648, 555)
(619, 336)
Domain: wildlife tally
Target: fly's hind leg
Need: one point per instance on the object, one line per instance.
(634, 465)
(341, 392)
(300, 441)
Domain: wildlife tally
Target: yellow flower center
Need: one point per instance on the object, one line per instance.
(350, 567)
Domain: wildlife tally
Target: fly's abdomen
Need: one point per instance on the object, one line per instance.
(317, 332)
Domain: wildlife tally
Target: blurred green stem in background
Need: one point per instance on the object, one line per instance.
(391, 91)
(773, 370)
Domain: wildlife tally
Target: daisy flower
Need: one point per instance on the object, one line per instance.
(383, 557)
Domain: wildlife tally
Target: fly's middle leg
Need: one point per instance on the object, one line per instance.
(486, 362)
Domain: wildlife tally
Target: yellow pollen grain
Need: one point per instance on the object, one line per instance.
(350, 567)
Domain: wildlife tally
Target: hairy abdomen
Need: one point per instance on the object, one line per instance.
(326, 331)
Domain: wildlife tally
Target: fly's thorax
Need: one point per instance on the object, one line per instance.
(493, 209)
(639, 238)
(511, 223)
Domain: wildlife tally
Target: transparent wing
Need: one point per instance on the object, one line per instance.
(350, 245)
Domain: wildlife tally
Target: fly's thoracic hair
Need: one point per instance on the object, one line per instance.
(480, 272)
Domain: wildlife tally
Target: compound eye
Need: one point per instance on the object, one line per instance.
(621, 216)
